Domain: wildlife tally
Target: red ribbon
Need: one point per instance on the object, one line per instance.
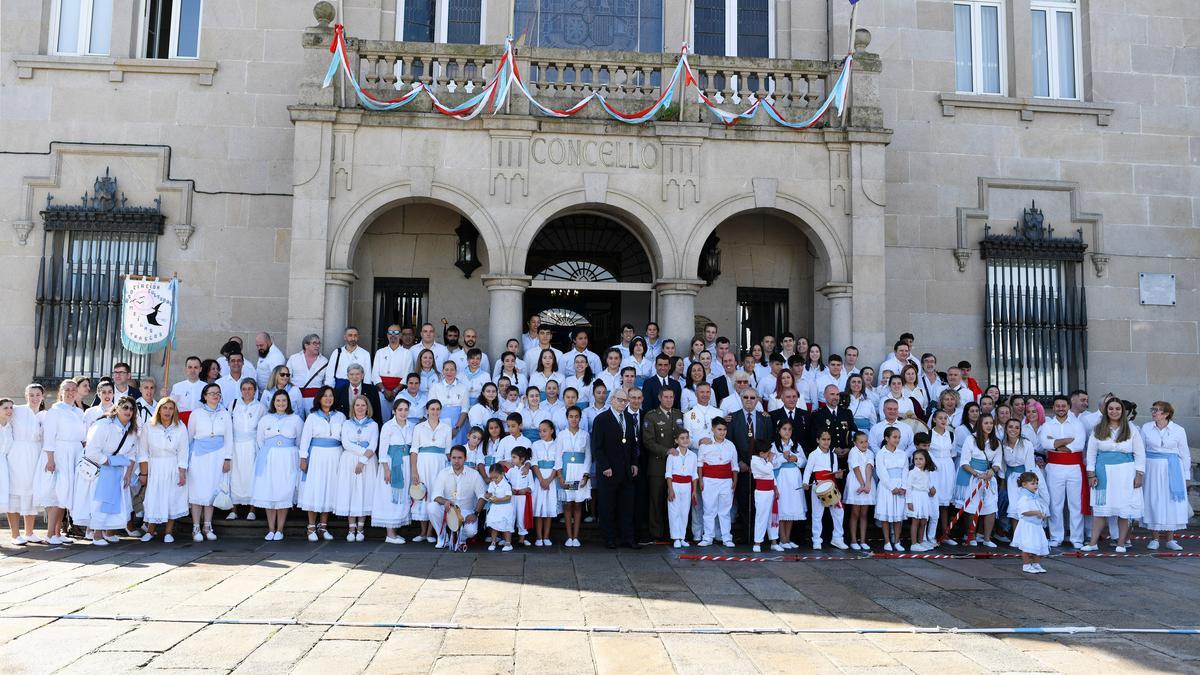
(527, 516)
(1074, 459)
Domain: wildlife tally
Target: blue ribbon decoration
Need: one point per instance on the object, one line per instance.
(1174, 474)
(108, 487)
(272, 443)
(398, 454)
(1105, 459)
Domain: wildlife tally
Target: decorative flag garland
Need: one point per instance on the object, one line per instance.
(495, 93)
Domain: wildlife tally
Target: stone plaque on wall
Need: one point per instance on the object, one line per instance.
(1157, 289)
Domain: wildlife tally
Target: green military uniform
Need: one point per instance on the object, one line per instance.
(658, 437)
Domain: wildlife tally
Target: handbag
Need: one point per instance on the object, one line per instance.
(89, 470)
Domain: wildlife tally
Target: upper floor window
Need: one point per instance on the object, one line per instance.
(625, 25)
(1056, 57)
(734, 27)
(170, 29)
(452, 21)
(979, 43)
(81, 27)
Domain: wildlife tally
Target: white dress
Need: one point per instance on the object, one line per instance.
(941, 450)
(575, 460)
(355, 489)
(916, 493)
(890, 468)
(105, 501)
(1030, 535)
(858, 459)
(1115, 465)
(789, 481)
(23, 459)
(1168, 469)
(165, 449)
(245, 431)
(432, 447)
(984, 502)
(501, 517)
(391, 503)
(277, 463)
(1018, 460)
(63, 433)
(321, 445)
(546, 459)
(6, 442)
(212, 444)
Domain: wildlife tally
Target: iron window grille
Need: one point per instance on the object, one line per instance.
(761, 311)
(404, 302)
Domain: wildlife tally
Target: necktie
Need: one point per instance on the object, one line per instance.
(621, 419)
(355, 393)
(750, 425)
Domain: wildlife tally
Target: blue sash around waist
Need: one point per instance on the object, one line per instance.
(432, 449)
(398, 454)
(785, 465)
(108, 487)
(544, 464)
(964, 477)
(531, 434)
(1014, 471)
(325, 443)
(572, 458)
(203, 446)
(863, 423)
(1174, 474)
(270, 444)
(1105, 459)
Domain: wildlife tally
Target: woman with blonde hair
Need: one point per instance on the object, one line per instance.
(165, 463)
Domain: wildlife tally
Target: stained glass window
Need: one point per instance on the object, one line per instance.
(610, 25)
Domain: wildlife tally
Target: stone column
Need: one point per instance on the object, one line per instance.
(677, 310)
(506, 295)
(840, 295)
(337, 306)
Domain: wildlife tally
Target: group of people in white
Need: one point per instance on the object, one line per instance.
(433, 433)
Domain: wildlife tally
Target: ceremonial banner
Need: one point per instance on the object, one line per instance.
(148, 312)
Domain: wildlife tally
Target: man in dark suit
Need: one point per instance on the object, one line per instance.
(659, 427)
(344, 394)
(792, 412)
(722, 386)
(749, 429)
(614, 447)
(661, 380)
(835, 418)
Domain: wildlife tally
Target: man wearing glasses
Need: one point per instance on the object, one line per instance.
(392, 364)
(749, 429)
(122, 384)
(308, 368)
(614, 446)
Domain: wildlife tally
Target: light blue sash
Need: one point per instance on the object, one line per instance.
(398, 454)
(451, 414)
(203, 446)
(244, 437)
(531, 434)
(572, 458)
(108, 487)
(1105, 459)
(325, 443)
(432, 449)
(1174, 474)
(964, 477)
(785, 465)
(545, 464)
(1014, 471)
(862, 423)
(272, 443)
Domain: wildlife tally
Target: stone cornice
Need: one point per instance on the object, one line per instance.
(28, 64)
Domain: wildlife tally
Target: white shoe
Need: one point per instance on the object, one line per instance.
(1120, 549)
(704, 542)
(777, 547)
(418, 539)
(1054, 544)
(20, 541)
(350, 535)
(537, 542)
(1079, 545)
(1029, 569)
(816, 546)
(359, 536)
(168, 539)
(838, 543)
(251, 516)
(507, 548)
(232, 516)
(989, 543)
(491, 547)
(1089, 548)
(99, 542)
(312, 535)
(887, 547)
(440, 544)
(1174, 545)
(279, 536)
(398, 540)
(791, 545)
(196, 535)
(147, 537)
(917, 548)
(589, 519)
(972, 543)
(1039, 568)
(898, 547)
(325, 534)
(950, 542)
(269, 537)
(55, 540)
(757, 548)
(864, 547)
(35, 538)
(727, 543)
(209, 534)
(1153, 545)
(854, 546)
(111, 538)
(678, 544)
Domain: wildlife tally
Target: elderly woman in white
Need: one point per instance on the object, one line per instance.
(1168, 469)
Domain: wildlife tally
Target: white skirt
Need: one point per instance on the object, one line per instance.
(943, 480)
(792, 497)
(573, 473)
(889, 508)
(275, 487)
(989, 497)
(165, 498)
(1030, 538)
(1014, 491)
(545, 500)
(1160, 513)
(852, 496)
(355, 491)
(97, 519)
(204, 477)
(54, 490)
(923, 506)
(429, 465)
(391, 508)
(502, 517)
(1120, 498)
(318, 486)
(22, 468)
(5, 482)
(241, 476)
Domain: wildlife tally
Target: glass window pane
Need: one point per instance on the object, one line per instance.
(1041, 61)
(611, 25)
(753, 25)
(1066, 54)
(989, 42)
(709, 30)
(68, 26)
(187, 44)
(418, 20)
(963, 80)
(463, 24)
(102, 13)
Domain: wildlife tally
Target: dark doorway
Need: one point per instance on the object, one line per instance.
(400, 301)
(568, 311)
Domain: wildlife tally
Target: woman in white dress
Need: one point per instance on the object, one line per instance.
(509, 367)
(487, 407)
(431, 442)
(165, 454)
(320, 452)
(869, 388)
(547, 370)
(390, 506)
(978, 465)
(789, 481)
(941, 449)
(861, 407)
(1168, 469)
(63, 434)
(22, 465)
(426, 369)
(277, 463)
(112, 445)
(281, 379)
(574, 470)
(356, 468)
(6, 442)
(911, 387)
(643, 367)
(1116, 466)
(1019, 457)
(211, 429)
(891, 466)
(454, 395)
(246, 413)
(581, 380)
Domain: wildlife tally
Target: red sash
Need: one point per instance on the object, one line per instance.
(1074, 458)
(768, 485)
(823, 475)
(390, 383)
(685, 480)
(309, 392)
(527, 516)
(716, 471)
(764, 484)
(184, 415)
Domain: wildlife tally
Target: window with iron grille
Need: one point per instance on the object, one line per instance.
(404, 302)
(1035, 321)
(87, 249)
(761, 311)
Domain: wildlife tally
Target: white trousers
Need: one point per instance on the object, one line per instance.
(1064, 482)
(762, 516)
(698, 519)
(718, 505)
(678, 510)
(818, 517)
(436, 511)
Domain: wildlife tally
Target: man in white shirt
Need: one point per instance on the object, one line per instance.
(768, 379)
(931, 381)
(428, 341)
(787, 345)
(626, 338)
(469, 339)
(901, 356)
(231, 384)
(233, 344)
(533, 353)
(954, 382)
(891, 418)
(392, 364)
(566, 362)
(1064, 441)
(269, 357)
(733, 402)
(308, 367)
(834, 374)
(187, 392)
(464, 489)
(345, 356)
(850, 360)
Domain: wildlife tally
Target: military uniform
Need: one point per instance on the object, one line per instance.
(659, 428)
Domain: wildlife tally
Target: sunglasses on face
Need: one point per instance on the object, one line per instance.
(393, 332)
(285, 374)
(125, 407)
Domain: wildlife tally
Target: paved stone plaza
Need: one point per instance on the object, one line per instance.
(248, 580)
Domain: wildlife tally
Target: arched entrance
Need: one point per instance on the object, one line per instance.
(588, 271)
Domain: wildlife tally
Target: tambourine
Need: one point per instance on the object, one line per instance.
(453, 518)
(417, 492)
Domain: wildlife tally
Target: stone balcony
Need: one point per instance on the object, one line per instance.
(630, 81)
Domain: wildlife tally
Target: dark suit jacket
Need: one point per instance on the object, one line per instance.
(652, 386)
(799, 423)
(658, 437)
(739, 435)
(341, 401)
(608, 450)
(722, 387)
(840, 424)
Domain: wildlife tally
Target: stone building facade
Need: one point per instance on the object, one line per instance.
(290, 208)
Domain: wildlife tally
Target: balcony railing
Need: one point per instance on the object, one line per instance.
(630, 81)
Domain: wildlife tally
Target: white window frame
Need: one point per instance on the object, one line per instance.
(1051, 7)
(731, 47)
(441, 20)
(84, 38)
(977, 47)
(173, 49)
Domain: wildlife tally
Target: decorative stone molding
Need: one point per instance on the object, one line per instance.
(343, 151)
(513, 282)
(765, 191)
(837, 289)
(28, 64)
(678, 286)
(595, 187)
(1100, 262)
(22, 229)
(1025, 106)
(183, 234)
(839, 177)
(509, 163)
(962, 256)
(681, 171)
(340, 277)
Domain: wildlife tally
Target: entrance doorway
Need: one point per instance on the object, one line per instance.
(589, 271)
